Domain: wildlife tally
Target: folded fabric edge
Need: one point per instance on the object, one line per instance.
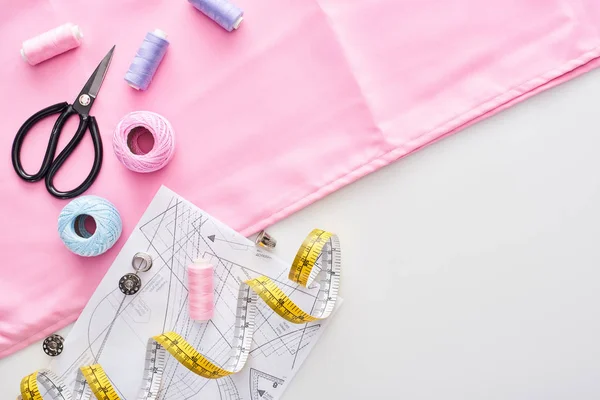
(569, 70)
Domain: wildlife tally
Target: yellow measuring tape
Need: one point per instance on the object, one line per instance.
(318, 261)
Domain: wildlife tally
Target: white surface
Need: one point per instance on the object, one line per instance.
(477, 257)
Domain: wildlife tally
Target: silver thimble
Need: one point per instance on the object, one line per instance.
(265, 240)
(141, 262)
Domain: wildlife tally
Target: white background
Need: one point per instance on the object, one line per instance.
(471, 268)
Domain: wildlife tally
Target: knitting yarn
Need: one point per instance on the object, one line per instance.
(224, 13)
(201, 290)
(74, 225)
(51, 43)
(126, 141)
(147, 59)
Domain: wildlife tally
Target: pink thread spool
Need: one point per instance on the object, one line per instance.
(201, 290)
(51, 43)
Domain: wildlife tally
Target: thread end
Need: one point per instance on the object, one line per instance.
(77, 32)
(238, 22)
(24, 56)
(133, 86)
(201, 262)
(160, 33)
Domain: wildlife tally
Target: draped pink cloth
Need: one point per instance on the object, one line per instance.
(306, 97)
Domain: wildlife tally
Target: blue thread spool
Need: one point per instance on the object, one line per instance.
(147, 59)
(75, 235)
(224, 13)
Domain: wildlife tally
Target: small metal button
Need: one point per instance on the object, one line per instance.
(265, 240)
(53, 345)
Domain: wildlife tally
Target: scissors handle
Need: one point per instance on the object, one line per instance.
(85, 122)
(50, 166)
(52, 142)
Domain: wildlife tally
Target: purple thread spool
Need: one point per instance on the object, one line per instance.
(147, 59)
(224, 13)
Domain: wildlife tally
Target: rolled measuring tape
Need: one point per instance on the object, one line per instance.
(318, 261)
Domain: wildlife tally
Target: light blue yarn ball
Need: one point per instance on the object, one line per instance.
(75, 236)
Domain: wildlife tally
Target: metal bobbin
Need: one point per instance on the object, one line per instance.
(141, 262)
(130, 284)
(265, 240)
(53, 345)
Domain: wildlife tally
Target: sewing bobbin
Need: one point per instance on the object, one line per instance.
(53, 345)
(265, 240)
(131, 283)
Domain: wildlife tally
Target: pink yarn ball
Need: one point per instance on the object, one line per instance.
(128, 132)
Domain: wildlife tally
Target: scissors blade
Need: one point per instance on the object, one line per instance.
(86, 97)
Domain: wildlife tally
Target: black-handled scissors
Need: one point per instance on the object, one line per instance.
(81, 107)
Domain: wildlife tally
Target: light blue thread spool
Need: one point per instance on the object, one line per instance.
(224, 13)
(72, 230)
(147, 59)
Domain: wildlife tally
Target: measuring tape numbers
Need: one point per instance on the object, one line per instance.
(317, 262)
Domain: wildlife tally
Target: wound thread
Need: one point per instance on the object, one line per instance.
(51, 43)
(147, 59)
(201, 290)
(74, 234)
(226, 14)
(129, 130)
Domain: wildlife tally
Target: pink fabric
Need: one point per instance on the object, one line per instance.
(306, 97)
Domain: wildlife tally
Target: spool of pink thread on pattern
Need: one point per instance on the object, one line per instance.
(51, 43)
(201, 290)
